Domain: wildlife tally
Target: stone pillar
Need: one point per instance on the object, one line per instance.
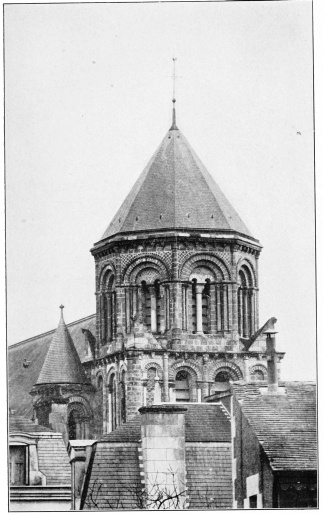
(165, 373)
(199, 320)
(79, 452)
(245, 313)
(163, 454)
(246, 373)
(153, 309)
(133, 383)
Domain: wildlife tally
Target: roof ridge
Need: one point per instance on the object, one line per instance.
(50, 332)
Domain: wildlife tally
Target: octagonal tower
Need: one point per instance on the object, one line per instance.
(176, 288)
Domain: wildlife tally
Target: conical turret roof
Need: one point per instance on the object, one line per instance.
(175, 191)
(62, 363)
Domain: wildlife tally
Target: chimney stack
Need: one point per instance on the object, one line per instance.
(271, 359)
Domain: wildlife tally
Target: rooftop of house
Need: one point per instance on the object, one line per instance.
(113, 479)
(20, 424)
(26, 359)
(175, 191)
(285, 423)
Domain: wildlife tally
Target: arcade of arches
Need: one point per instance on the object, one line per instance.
(207, 301)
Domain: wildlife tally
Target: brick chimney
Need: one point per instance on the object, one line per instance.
(163, 455)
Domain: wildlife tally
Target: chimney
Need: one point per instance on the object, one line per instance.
(79, 452)
(271, 359)
(163, 456)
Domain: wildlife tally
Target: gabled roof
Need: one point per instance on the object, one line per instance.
(62, 363)
(34, 351)
(175, 191)
(285, 425)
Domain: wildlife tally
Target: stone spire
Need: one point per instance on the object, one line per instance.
(62, 363)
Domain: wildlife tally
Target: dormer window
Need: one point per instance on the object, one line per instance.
(18, 465)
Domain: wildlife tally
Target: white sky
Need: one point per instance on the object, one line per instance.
(88, 99)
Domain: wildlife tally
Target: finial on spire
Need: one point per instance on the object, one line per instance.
(174, 76)
(62, 307)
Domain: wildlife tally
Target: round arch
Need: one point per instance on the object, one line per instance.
(218, 268)
(192, 368)
(106, 271)
(140, 263)
(256, 371)
(231, 368)
(157, 366)
(245, 265)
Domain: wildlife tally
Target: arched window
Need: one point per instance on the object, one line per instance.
(200, 301)
(258, 375)
(108, 309)
(182, 388)
(72, 421)
(246, 303)
(112, 399)
(222, 377)
(123, 397)
(78, 422)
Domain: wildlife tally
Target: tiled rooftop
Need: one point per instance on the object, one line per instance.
(285, 425)
(175, 191)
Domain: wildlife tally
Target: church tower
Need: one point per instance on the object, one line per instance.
(176, 289)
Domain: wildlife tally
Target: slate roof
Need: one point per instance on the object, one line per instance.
(175, 191)
(213, 417)
(209, 476)
(286, 425)
(62, 363)
(34, 350)
(53, 460)
(113, 476)
(20, 424)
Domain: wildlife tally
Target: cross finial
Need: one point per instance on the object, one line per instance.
(61, 307)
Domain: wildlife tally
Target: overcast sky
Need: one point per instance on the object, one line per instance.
(88, 99)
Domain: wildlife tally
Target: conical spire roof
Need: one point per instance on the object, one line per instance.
(175, 191)
(62, 363)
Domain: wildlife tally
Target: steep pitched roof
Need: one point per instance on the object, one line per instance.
(34, 350)
(62, 363)
(175, 191)
(286, 425)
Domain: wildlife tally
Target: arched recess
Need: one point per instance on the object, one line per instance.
(78, 421)
(112, 400)
(246, 299)
(185, 377)
(145, 295)
(258, 373)
(122, 395)
(215, 264)
(108, 308)
(233, 371)
(205, 294)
